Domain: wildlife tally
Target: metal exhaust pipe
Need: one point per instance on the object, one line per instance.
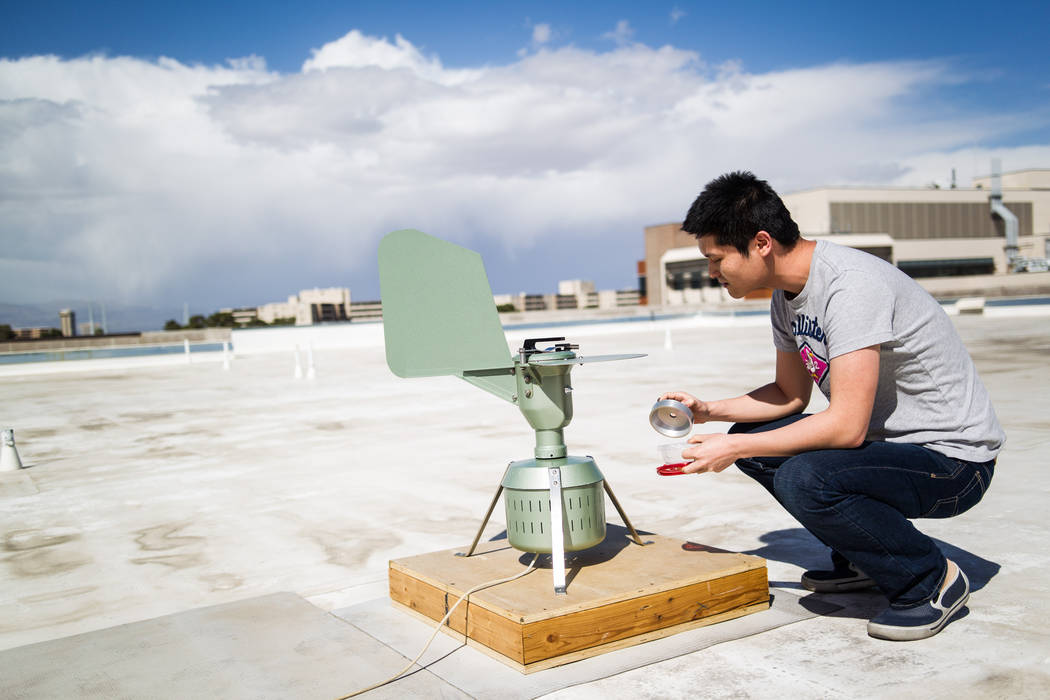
(995, 200)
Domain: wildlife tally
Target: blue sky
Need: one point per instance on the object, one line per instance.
(232, 153)
(1004, 48)
(767, 35)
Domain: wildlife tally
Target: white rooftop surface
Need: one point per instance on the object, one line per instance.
(160, 489)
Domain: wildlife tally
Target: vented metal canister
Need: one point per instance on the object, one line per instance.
(528, 504)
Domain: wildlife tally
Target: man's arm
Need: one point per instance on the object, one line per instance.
(787, 394)
(842, 425)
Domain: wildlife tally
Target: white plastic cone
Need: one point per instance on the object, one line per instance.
(667, 340)
(9, 460)
(311, 373)
(298, 364)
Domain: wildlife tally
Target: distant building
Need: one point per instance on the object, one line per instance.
(313, 306)
(366, 311)
(622, 297)
(242, 317)
(504, 299)
(643, 298)
(310, 306)
(68, 319)
(323, 306)
(926, 232)
(273, 311)
(32, 333)
(577, 287)
(572, 294)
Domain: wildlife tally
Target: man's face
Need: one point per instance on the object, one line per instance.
(738, 274)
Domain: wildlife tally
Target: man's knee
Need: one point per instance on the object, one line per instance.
(800, 482)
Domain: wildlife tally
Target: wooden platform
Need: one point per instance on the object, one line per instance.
(619, 594)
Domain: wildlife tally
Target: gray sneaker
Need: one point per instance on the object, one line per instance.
(924, 620)
(837, 580)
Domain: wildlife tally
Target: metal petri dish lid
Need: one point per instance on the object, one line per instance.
(671, 418)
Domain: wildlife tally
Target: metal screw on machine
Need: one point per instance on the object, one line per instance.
(439, 319)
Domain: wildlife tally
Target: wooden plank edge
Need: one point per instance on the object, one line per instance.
(431, 603)
(528, 618)
(461, 638)
(754, 562)
(555, 661)
(582, 654)
(634, 616)
(677, 588)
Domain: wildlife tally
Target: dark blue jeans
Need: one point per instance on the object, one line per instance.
(859, 502)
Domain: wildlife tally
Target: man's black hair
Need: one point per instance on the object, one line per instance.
(735, 206)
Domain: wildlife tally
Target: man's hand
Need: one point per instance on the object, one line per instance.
(700, 410)
(710, 453)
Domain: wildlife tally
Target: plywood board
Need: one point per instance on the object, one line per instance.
(618, 592)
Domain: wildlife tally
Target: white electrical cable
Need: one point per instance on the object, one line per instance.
(439, 625)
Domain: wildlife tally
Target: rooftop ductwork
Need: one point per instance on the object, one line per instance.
(995, 200)
(1014, 261)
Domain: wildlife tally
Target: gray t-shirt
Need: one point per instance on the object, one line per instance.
(928, 392)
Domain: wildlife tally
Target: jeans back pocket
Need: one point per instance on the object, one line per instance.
(970, 494)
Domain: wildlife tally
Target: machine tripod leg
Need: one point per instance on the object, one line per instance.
(488, 514)
(623, 515)
(557, 526)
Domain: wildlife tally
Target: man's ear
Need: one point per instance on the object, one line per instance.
(763, 243)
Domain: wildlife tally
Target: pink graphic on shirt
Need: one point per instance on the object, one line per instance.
(815, 364)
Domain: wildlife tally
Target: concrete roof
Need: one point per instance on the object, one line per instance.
(156, 490)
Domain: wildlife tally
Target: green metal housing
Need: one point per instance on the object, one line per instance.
(527, 502)
(545, 399)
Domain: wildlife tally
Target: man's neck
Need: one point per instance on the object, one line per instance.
(791, 269)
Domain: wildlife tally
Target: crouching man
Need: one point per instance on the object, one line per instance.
(909, 431)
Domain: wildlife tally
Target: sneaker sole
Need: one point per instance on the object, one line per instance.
(837, 586)
(910, 634)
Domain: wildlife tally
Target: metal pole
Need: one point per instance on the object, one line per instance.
(623, 515)
(557, 531)
(488, 514)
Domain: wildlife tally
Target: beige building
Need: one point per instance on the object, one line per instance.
(242, 317)
(310, 306)
(926, 232)
(68, 320)
(572, 294)
(32, 333)
(580, 288)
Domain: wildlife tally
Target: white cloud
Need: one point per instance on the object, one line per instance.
(356, 50)
(129, 179)
(677, 13)
(541, 34)
(621, 34)
(968, 163)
